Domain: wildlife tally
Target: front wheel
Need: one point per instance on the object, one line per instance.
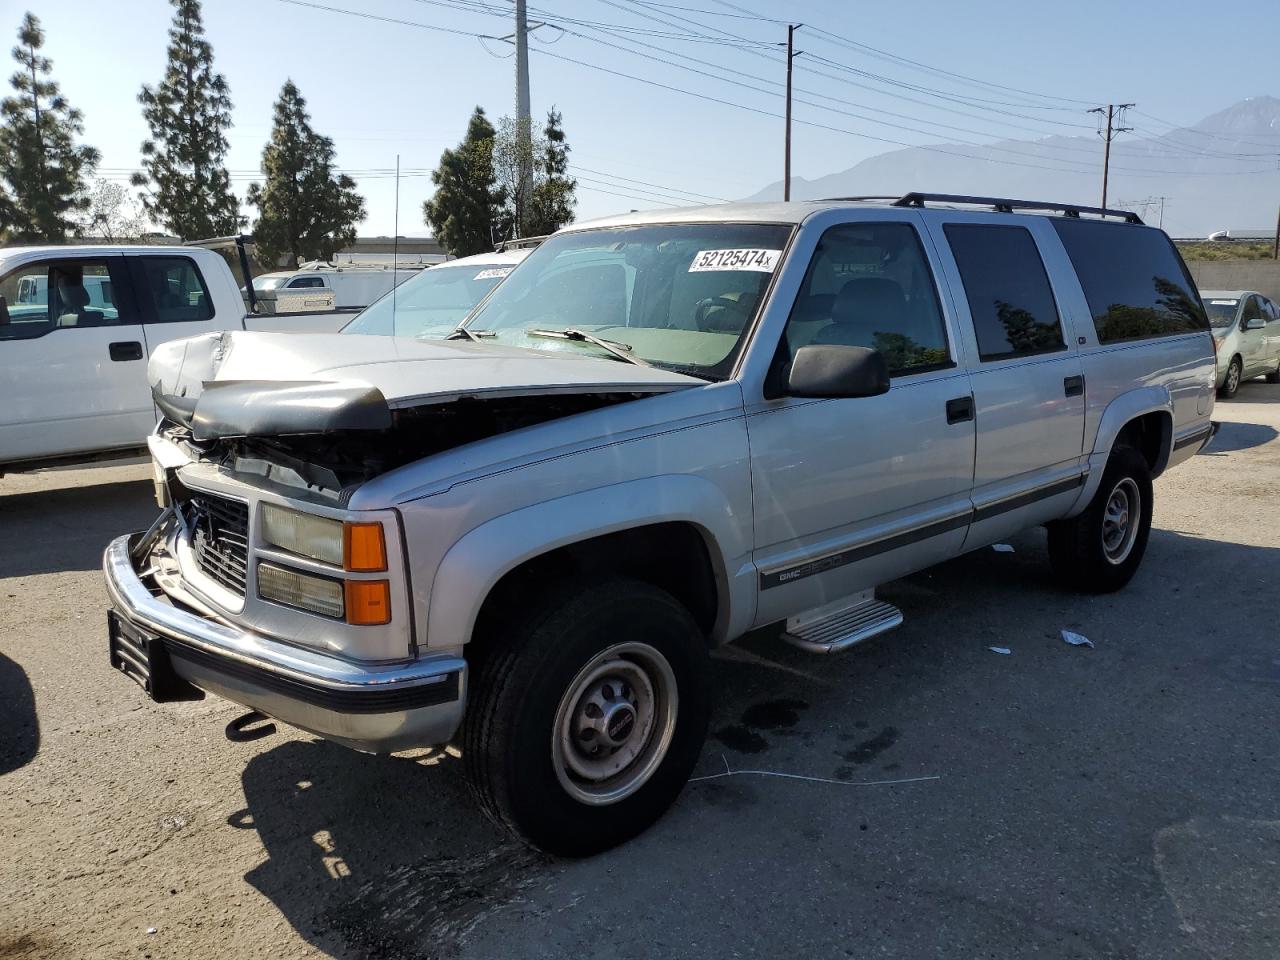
(587, 717)
(1100, 549)
(1230, 385)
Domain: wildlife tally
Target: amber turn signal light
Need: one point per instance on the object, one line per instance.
(368, 602)
(364, 549)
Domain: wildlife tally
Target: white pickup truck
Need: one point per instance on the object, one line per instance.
(76, 327)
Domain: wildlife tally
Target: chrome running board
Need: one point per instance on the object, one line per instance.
(843, 624)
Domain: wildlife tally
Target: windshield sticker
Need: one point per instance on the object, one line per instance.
(1224, 303)
(762, 261)
(493, 273)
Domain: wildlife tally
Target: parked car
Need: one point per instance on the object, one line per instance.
(76, 325)
(1246, 334)
(352, 287)
(434, 302)
(662, 431)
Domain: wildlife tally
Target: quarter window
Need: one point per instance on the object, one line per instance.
(56, 295)
(1010, 300)
(1136, 284)
(869, 285)
(176, 289)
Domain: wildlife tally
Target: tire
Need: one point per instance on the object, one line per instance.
(541, 685)
(1084, 550)
(1235, 373)
(1274, 375)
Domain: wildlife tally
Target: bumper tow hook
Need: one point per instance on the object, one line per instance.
(240, 730)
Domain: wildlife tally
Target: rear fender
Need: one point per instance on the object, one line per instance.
(1120, 411)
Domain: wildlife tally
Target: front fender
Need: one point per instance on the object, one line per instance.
(1120, 411)
(478, 560)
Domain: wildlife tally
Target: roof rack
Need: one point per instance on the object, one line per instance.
(519, 243)
(1002, 205)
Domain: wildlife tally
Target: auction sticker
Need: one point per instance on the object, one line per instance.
(493, 273)
(738, 259)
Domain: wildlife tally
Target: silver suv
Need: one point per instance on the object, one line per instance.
(663, 430)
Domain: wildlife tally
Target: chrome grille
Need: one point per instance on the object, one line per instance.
(220, 538)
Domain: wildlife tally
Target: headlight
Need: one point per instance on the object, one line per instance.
(315, 537)
(313, 594)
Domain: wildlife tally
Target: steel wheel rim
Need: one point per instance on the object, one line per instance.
(1233, 377)
(1120, 520)
(614, 724)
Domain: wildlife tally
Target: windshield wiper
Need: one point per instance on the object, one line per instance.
(620, 350)
(462, 333)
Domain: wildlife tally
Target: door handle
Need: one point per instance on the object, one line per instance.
(1073, 386)
(126, 350)
(960, 409)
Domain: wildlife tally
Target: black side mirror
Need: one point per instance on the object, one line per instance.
(836, 370)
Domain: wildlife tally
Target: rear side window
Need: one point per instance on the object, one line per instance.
(1134, 280)
(306, 282)
(1014, 313)
(176, 289)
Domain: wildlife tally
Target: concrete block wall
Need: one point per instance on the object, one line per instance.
(1260, 275)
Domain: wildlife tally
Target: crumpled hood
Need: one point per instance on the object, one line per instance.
(406, 372)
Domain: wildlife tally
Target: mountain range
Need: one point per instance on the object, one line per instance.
(1221, 173)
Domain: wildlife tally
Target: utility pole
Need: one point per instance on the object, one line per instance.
(1112, 111)
(524, 123)
(1275, 251)
(792, 53)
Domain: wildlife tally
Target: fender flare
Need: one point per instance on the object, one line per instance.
(473, 566)
(1119, 412)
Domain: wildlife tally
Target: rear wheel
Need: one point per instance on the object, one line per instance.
(1230, 385)
(587, 717)
(1100, 549)
(1274, 375)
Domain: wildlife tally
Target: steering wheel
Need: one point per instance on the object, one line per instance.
(704, 307)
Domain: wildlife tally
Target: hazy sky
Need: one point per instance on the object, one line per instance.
(381, 88)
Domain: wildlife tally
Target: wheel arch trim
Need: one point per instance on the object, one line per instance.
(476, 563)
(1119, 413)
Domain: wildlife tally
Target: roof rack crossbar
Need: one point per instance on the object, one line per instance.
(1003, 205)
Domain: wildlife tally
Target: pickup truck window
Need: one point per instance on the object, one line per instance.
(1010, 300)
(869, 285)
(680, 296)
(1136, 284)
(38, 298)
(176, 289)
(297, 282)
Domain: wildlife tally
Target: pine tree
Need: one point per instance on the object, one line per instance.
(307, 212)
(467, 203)
(189, 190)
(39, 160)
(554, 191)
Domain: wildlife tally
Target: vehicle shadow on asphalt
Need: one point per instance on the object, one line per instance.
(381, 857)
(1255, 391)
(67, 528)
(19, 725)
(1233, 435)
(388, 857)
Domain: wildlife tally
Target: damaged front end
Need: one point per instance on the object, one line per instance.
(337, 424)
(335, 436)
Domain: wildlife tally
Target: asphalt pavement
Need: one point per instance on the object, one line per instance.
(922, 796)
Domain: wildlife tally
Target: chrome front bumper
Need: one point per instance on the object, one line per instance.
(373, 707)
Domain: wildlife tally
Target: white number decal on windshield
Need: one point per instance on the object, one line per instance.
(762, 261)
(493, 273)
